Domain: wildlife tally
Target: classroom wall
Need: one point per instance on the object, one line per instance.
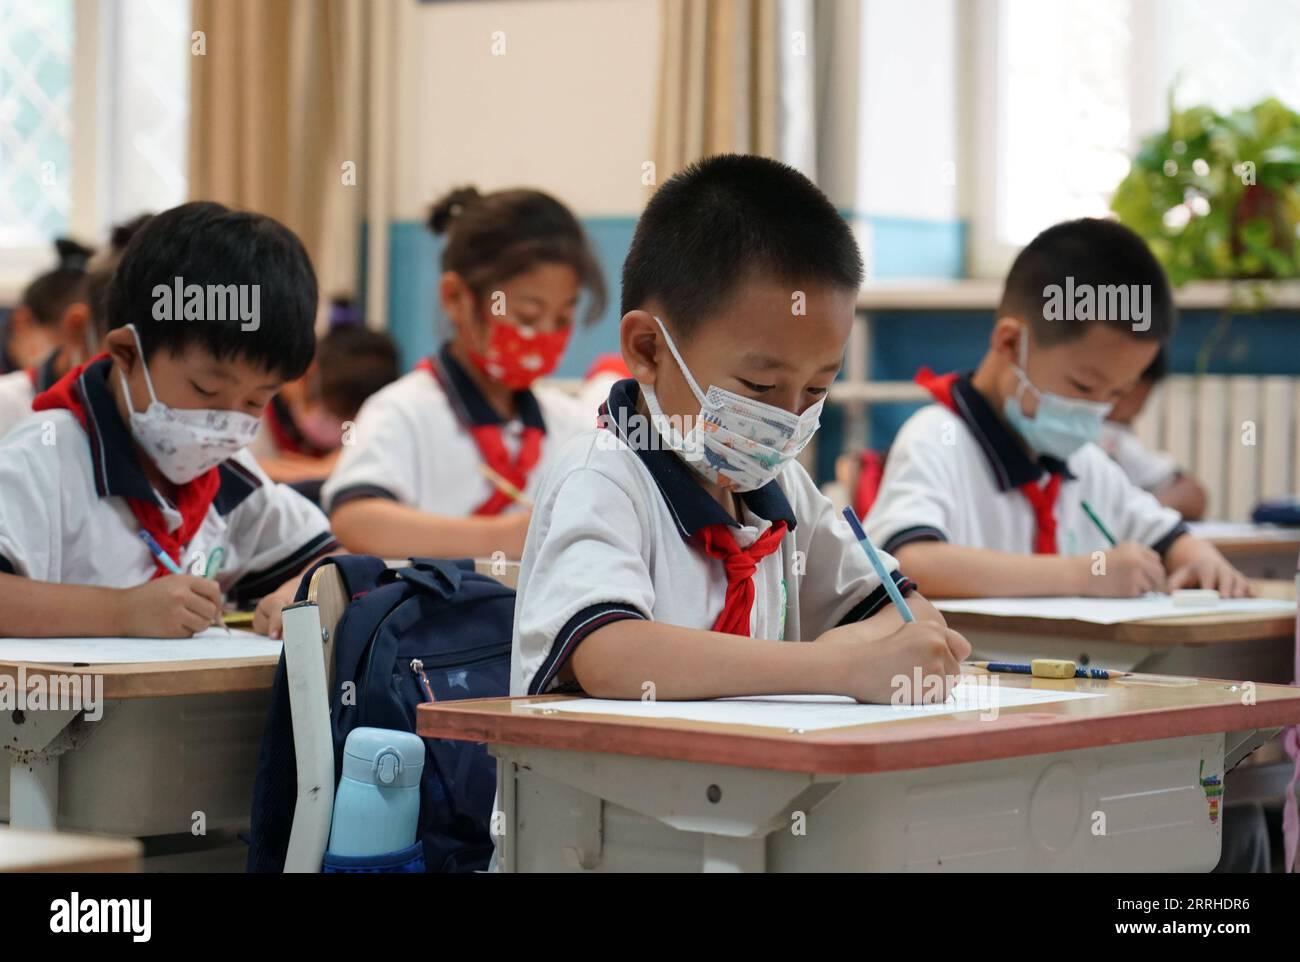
(572, 113)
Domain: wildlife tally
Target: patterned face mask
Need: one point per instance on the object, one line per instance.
(516, 356)
(185, 442)
(736, 442)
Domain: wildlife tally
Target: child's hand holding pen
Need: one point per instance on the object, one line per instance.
(168, 607)
(174, 606)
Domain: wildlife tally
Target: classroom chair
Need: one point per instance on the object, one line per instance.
(309, 629)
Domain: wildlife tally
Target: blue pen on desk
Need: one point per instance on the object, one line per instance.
(163, 557)
(891, 589)
(1075, 671)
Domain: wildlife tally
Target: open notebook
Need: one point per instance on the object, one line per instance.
(210, 643)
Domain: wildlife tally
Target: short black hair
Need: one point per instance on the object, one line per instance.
(353, 362)
(213, 246)
(100, 268)
(724, 219)
(1105, 256)
(494, 237)
(1158, 369)
(51, 293)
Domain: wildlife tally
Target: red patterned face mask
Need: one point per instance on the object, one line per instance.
(517, 356)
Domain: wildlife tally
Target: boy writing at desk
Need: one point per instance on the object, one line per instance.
(679, 544)
(999, 489)
(149, 438)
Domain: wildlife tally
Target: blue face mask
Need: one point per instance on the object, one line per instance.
(1061, 425)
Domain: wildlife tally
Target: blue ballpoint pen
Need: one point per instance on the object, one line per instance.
(891, 589)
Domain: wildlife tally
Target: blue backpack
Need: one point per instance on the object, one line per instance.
(437, 623)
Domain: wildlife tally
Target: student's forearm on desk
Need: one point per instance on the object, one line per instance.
(861, 659)
(616, 661)
(39, 609)
(943, 570)
(386, 528)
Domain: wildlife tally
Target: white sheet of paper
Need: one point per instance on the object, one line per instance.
(209, 643)
(1109, 611)
(1227, 530)
(815, 712)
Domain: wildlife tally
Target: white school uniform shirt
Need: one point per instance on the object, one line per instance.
(953, 475)
(19, 388)
(410, 443)
(613, 536)
(1147, 468)
(64, 517)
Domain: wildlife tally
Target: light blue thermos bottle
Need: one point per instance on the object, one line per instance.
(377, 806)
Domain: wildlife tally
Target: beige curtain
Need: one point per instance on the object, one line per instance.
(772, 77)
(276, 114)
(718, 81)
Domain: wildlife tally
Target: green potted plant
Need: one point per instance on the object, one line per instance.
(1217, 196)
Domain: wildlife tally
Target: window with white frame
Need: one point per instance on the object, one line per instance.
(94, 104)
(1064, 90)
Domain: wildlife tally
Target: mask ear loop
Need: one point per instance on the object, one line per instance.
(686, 372)
(148, 381)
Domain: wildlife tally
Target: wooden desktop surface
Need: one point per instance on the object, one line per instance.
(163, 678)
(24, 850)
(1129, 713)
(1203, 627)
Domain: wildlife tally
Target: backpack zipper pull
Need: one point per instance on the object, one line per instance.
(417, 669)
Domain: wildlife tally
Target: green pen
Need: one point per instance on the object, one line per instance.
(211, 571)
(1105, 532)
(214, 562)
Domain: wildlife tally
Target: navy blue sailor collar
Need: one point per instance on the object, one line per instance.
(113, 455)
(691, 506)
(469, 404)
(1012, 466)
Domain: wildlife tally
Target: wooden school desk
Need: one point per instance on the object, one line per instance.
(175, 738)
(1258, 647)
(1257, 551)
(28, 851)
(1021, 792)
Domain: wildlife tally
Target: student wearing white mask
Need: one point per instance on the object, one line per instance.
(681, 543)
(984, 492)
(149, 440)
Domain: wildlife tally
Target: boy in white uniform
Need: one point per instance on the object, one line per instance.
(679, 548)
(149, 439)
(983, 493)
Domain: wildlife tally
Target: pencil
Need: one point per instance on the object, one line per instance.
(891, 589)
(504, 486)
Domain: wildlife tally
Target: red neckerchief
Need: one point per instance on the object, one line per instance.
(492, 449)
(1041, 499)
(192, 499)
(740, 564)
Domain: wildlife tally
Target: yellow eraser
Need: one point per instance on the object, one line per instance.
(1051, 668)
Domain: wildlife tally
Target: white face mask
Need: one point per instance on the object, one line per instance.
(736, 442)
(1061, 425)
(184, 442)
